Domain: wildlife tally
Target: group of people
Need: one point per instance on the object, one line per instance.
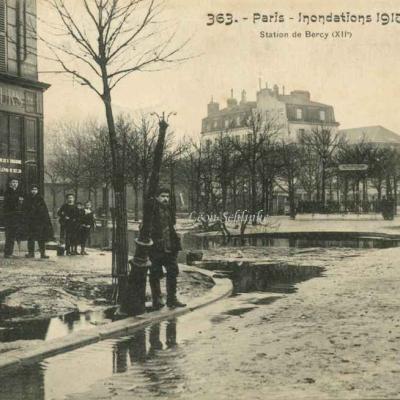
(26, 217)
(76, 221)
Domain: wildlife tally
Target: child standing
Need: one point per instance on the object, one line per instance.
(87, 221)
(77, 228)
(68, 215)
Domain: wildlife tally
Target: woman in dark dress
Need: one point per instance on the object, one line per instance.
(37, 223)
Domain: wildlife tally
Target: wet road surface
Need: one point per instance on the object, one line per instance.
(219, 352)
(180, 358)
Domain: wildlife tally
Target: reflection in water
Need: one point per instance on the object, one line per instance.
(153, 371)
(51, 328)
(301, 240)
(26, 330)
(28, 384)
(146, 358)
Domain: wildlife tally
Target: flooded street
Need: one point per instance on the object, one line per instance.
(175, 358)
(293, 336)
(215, 352)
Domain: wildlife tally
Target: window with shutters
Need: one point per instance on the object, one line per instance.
(3, 41)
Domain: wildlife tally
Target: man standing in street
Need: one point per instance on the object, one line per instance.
(13, 200)
(164, 251)
(37, 222)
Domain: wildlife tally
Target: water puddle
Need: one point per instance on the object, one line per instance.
(146, 359)
(52, 328)
(275, 277)
(295, 240)
(152, 362)
(273, 239)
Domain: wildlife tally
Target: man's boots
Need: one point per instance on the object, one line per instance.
(172, 301)
(42, 247)
(156, 294)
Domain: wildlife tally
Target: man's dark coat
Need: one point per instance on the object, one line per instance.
(37, 221)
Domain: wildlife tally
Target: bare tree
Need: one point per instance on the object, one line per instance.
(323, 142)
(224, 165)
(104, 42)
(69, 152)
(261, 131)
(309, 173)
(55, 181)
(192, 163)
(289, 170)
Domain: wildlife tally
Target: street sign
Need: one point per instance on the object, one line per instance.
(353, 167)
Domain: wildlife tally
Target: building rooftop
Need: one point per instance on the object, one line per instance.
(372, 134)
(300, 100)
(240, 107)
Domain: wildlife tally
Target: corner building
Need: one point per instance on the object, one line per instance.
(294, 113)
(21, 97)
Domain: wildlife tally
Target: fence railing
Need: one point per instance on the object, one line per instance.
(343, 207)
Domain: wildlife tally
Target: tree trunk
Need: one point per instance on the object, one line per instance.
(136, 196)
(224, 191)
(95, 201)
(106, 210)
(395, 193)
(292, 194)
(267, 203)
(323, 183)
(388, 186)
(345, 191)
(172, 187)
(379, 190)
(120, 250)
(54, 195)
(253, 184)
(137, 278)
(144, 188)
(234, 194)
(263, 192)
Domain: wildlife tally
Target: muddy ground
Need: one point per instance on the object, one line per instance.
(32, 289)
(337, 337)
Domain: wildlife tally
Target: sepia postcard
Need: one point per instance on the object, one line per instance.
(199, 199)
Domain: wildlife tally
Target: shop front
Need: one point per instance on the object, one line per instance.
(21, 134)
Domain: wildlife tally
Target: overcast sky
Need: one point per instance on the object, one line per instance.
(358, 76)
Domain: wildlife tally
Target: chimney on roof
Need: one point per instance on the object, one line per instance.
(283, 90)
(232, 102)
(276, 90)
(212, 107)
(243, 98)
